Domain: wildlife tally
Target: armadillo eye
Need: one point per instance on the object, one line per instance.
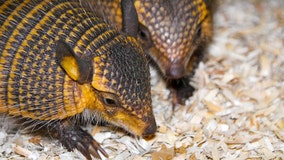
(144, 33)
(107, 98)
(109, 101)
(144, 37)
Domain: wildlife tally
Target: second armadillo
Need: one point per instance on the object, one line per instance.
(173, 32)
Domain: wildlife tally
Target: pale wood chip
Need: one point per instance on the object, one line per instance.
(243, 139)
(266, 111)
(165, 153)
(213, 107)
(22, 151)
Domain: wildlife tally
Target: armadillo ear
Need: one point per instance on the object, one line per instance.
(129, 18)
(77, 68)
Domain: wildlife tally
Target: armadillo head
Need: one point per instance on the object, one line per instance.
(113, 84)
(122, 80)
(172, 30)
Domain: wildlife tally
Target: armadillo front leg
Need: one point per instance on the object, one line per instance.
(73, 137)
(181, 90)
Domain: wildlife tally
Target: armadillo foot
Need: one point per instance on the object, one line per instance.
(181, 90)
(74, 137)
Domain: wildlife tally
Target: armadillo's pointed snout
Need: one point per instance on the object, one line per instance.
(151, 127)
(150, 130)
(175, 71)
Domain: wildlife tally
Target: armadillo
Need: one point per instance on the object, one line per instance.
(174, 33)
(63, 65)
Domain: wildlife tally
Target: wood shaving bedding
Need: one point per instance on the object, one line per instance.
(237, 111)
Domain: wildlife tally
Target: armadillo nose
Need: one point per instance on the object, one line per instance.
(150, 130)
(175, 71)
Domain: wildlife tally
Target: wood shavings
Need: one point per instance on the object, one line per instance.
(101, 136)
(210, 128)
(26, 153)
(211, 106)
(165, 153)
(3, 137)
(266, 111)
(22, 151)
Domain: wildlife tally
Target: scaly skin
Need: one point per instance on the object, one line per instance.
(61, 64)
(173, 32)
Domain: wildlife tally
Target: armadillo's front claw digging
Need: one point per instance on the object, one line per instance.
(95, 147)
(74, 137)
(181, 90)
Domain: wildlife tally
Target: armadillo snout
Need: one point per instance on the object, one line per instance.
(175, 71)
(150, 129)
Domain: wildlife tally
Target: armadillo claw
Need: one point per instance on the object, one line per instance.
(95, 147)
(76, 138)
(181, 90)
(181, 95)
